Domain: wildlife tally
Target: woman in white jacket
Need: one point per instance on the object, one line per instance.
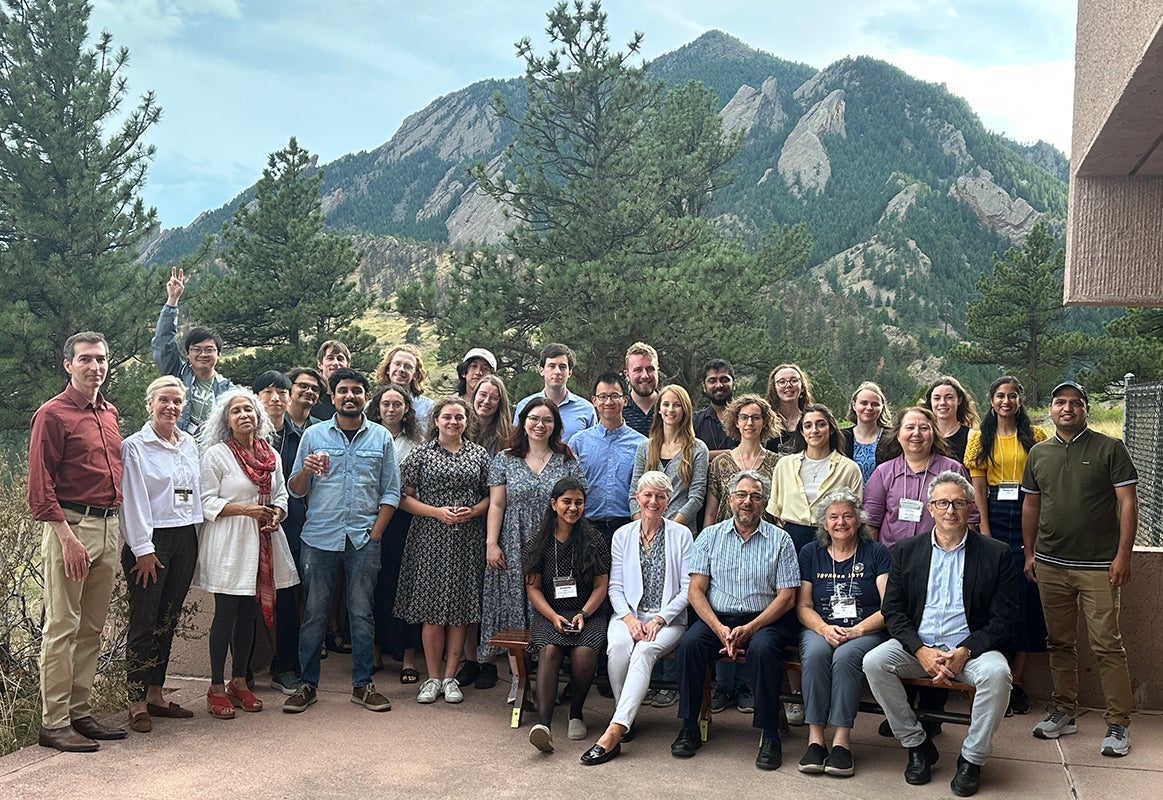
(649, 575)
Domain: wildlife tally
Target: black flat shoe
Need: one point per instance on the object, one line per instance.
(600, 755)
(686, 744)
(964, 783)
(921, 760)
(770, 753)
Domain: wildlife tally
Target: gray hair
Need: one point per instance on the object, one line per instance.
(750, 475)
(216, 431)
(655, 479)
(848, 498)
(955, 478)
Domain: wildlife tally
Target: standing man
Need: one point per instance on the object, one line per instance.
(346, 469)
(606, 454)
(307, 388)
(476, 364)
(404, 366)
(332, 355)
(950, 606)
(642, 373)
(719, 389)
(203, 348)
(744, 580)
(557, 365)
(1079, 518)
(74, 491)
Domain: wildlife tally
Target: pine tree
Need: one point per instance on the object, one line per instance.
(72, 165)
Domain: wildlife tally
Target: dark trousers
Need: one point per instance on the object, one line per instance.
(609, 525)
(699, 647)
(156, 610)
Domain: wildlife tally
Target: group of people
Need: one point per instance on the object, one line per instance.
(627, 525)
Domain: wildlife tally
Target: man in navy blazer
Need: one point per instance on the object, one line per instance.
(950, 606)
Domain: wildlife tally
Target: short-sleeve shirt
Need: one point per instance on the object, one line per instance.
(854, 577)
(744, 575)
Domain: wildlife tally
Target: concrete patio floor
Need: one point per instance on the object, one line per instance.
(338, 749)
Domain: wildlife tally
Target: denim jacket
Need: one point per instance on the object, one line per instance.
(168, 360)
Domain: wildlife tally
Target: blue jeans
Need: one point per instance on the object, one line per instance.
(319, 570)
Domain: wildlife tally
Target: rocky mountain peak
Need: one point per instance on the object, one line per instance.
(1009, 217)
(803, 162)
(754, 111)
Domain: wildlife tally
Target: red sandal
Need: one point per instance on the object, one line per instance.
(219, 706)
(243, 698)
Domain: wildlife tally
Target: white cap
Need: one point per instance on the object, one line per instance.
(480, 352)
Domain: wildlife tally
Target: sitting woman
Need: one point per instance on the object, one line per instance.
(843, 577)
(649, 575)
(567, 570)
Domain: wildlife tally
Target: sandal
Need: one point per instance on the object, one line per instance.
(219, 706)
(242, 698)
(409, 675)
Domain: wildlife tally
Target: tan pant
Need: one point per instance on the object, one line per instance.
(74, 616)
(1062, 591)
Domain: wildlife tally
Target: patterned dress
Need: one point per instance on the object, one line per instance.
(526, 499)
(558, 562)
(440, 579)
(723, 469)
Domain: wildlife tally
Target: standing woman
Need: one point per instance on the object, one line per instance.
(243, 556)
(445, 489)
(567, 572)
(161, 506)
(956, 412)
(520, 481)
(491, 416)
(750, 421)
(391, 406)
(869, 413)
(672, 448)
(788, 391)
(996, 458)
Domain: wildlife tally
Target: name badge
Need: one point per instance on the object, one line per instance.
(1007, 491)
(910, 510)
(564, 588)
(183, 497)
(843, 608)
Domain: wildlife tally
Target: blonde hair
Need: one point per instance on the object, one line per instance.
(418, 377)
(686, 434)
(164, 382)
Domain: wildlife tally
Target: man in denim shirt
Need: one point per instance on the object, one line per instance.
(346, 468)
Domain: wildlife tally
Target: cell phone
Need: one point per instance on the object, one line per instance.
(569, 627)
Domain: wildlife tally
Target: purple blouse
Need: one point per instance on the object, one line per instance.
(892, 482)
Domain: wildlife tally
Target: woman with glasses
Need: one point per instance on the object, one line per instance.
(788, 391)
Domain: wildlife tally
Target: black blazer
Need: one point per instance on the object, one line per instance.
(990, 592)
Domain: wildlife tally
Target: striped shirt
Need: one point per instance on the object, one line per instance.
(745, 575)
(943, 622)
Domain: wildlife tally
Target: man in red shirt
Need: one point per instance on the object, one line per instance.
(74, 490)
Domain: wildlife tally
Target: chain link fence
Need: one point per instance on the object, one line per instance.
(1143, 433)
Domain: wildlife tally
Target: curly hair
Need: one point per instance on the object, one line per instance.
(217, 431)
(731, 417)
(409, 426)
(849, 498)
(418, 377)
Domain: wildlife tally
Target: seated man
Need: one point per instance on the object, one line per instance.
(744, 578)
(950, 606)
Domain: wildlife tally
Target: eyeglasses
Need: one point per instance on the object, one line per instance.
(943, 505)
(751, 418)
(788, 382)
(754, 497)
(608, 398)
(203, 351)
(307, 387)
(535, 421)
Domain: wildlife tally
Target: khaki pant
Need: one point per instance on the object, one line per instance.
(74, 616)
(1062, 591)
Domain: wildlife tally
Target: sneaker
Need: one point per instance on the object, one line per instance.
(648, 698)
(745, 700)
(369, 698)
(719, 700)
(813, 760)
(304, 696)
(468, 673)
(451, 689)
(429, 691)
(1019, 702)
(577, 729)
(487, 678)
(839, 763)
(664, 698)
(284, 682)
(1056, 724)
(541, 738)
(795, 714)
(512, 699)
(1117, 742)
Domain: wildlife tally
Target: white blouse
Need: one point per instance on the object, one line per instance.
(160, 487)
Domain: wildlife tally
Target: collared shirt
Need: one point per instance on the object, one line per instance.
(74, 454)
(943, 622)
(892, 482)
(422, 407)
(789, 502)
(576, 412)
(636, 418)
(710, 431)
(161, 487)
(363, 476)
(745, 575)
(168, 360)
(607, 459)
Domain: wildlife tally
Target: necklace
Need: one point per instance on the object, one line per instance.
(171, 439)
(751, 462)
(648, 540)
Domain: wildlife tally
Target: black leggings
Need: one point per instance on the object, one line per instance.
(582, 662)
(233, 629)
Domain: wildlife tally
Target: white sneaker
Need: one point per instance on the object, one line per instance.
(429, 691)
(541, 738)
(1117, 741)
(451, 689)
(795, 714)
(513, 695)
(577, 729)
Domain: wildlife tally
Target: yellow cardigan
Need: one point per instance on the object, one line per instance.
(789, 503)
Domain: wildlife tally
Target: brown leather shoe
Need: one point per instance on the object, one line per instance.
(66, 740)
(87, 726)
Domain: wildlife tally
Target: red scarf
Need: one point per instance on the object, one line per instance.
(259, 466)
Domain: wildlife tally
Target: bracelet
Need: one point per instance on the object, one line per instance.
(585, 615)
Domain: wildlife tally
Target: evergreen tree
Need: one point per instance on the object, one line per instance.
(72, 164)
(286, 285)
(1017, 319)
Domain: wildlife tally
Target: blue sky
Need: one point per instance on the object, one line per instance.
(237, 78)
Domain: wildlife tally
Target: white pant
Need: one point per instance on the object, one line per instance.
(630, 664)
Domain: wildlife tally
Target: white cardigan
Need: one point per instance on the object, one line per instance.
(626, 571)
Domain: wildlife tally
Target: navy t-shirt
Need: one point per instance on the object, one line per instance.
(856, 578)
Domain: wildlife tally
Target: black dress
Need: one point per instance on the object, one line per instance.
(558, 561)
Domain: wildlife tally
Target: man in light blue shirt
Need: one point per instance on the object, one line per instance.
(346, 468)
(557, 365)
(606, 454)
